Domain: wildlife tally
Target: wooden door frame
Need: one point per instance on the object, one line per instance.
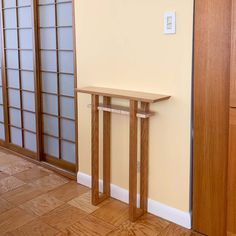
(212, 32)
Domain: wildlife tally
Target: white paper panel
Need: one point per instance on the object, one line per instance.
(68, 151)
(0, 76)
(49, 82)
(25, 17)
(12, 59)
(9, 3)
(29, 121)
(48, 61)
(25, 38)
(1, 114)
(65, 38)
(50, 125)
(50, 104)
(47, 15)
(11, 39)
(24, 2)
(67, 107)
(14, 98)
(16, 136)
(48, 38)
(46, 1)
(28, 100)
(27, 80)
(68, 129)
(67, 84)
(13, 78)
(10, 18)
(1, 96)
(26, 60)
(30, 141)
(64, 14)
(15, 117)
(2, 132)
(51, 146)
(66, 62)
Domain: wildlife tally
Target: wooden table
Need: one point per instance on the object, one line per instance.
(134, 113)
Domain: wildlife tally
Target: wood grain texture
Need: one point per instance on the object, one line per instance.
(106, 148)
(124, 94)
(233, 57)
(144, 150)
(95, 149)
(69, 215)
(211, 115)
(231, 222)
(114, 213)
(36, 228)
(41, 205)
(42, 215)
(133, 138)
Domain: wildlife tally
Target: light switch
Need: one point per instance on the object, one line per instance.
(170, 23)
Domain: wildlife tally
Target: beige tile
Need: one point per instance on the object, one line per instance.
(83, 202)
(49, 182)
(41, 205)
(147, 225)
(34, 228)
(6, 159)
(32, 174)
(63, 216)
(68, 191)
(22, 194)
(9, 183)
(3, 175)
(12, 219)
(89, 226)
(5, 205)
(114, 212)
(16, 167)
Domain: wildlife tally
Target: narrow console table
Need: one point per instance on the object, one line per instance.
(134, 113)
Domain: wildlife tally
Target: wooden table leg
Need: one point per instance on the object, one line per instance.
(133, 160)
(144, 142)
(95, 150)
(106, 148)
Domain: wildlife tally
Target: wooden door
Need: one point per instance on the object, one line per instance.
(211, 115)
(231, 221)
(231, 226)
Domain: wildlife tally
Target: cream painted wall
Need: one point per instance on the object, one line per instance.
(120, 44)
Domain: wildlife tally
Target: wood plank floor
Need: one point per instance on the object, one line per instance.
(35, 201)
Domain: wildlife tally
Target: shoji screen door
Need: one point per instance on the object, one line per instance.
(37, 98)
(57, 79)
(18, 77)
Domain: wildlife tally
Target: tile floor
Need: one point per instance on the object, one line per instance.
(35, 201)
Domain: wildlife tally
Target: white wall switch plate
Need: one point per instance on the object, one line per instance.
(170, 23)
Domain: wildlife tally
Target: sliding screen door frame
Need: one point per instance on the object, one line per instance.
(56, 50)
(39, 154)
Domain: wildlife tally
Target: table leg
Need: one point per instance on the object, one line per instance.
(106, 148)
(133, 160)
(144, 142)
(95, 150)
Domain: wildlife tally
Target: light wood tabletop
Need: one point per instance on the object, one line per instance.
(124, 94)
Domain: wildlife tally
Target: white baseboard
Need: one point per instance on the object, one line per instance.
(156, 208)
